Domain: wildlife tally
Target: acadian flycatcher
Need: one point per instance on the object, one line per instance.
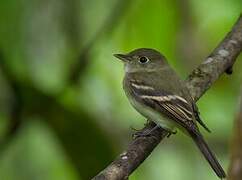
(156, 91)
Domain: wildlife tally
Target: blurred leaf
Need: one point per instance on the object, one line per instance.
(36, 154)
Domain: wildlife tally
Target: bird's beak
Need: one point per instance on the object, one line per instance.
(123, 57)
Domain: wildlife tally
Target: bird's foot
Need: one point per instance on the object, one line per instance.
(145, 133)
(170, 132)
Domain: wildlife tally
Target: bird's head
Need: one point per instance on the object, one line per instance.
(142, 59)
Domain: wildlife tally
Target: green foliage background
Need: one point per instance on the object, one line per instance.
(71, 129)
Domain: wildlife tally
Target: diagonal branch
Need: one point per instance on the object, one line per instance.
(219, 61)
(119, 9)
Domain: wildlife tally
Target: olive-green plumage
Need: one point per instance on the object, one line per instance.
(156, 91)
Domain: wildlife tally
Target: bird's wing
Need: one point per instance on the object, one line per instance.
(177, 108)
(173, 106)
(198, 119)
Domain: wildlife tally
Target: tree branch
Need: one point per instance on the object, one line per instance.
(16, 104)
(111, 21)
(235, 168)
(219, 61)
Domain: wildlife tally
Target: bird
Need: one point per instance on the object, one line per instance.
(156, 91)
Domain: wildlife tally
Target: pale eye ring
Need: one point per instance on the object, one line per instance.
(143, 60)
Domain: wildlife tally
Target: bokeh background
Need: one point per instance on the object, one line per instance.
(63, 113)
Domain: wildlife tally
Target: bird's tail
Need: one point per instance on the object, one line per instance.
(208, 154)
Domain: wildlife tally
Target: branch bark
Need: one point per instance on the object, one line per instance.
(219, 61)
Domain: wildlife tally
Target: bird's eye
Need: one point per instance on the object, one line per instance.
(143, 59)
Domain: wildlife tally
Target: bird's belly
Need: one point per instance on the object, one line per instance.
(153, 115)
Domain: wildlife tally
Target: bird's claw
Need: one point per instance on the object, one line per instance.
(170, 132)
(145, 133)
